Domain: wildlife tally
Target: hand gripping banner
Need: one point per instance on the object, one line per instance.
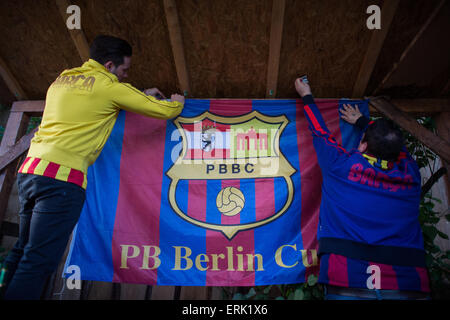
(226, 194)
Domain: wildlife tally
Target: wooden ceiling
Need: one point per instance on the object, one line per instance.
(238, 48)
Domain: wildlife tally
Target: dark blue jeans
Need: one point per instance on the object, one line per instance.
(49, 210)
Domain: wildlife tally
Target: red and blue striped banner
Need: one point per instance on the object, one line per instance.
(226, 194)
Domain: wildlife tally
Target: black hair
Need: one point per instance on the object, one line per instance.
(109, 48)
(384, 140)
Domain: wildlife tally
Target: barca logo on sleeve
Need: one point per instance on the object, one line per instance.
(231, 148)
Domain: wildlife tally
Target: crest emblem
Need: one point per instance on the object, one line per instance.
(220, 148)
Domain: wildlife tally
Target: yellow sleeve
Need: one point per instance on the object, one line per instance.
(127, 97)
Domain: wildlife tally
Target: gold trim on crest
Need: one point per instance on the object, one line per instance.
(255, 167)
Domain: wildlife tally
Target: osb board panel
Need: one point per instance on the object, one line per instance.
(35, 44)
(430, 60)
(6, 98)
(409, 18)
(326, 40)
(143, 24)
(226, 45)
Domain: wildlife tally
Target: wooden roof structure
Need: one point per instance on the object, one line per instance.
(236, 49)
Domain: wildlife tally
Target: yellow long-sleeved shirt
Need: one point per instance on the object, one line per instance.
(81, 107)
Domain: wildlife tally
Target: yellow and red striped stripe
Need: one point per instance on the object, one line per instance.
(53, 170)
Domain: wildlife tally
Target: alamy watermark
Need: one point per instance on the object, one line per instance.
(73, 281)
(372, 22)
(74, 20)
(374, 280)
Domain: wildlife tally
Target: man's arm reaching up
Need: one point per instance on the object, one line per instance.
(327, 148)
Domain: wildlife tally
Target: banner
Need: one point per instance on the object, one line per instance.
(226, 194)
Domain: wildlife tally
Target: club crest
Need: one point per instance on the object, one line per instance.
(230, 148)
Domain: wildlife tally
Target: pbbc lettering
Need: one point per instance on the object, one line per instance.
(234, 168)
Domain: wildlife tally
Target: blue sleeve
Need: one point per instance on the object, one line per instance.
(327, 148)
(362, 123)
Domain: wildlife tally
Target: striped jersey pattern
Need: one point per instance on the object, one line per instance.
(341, 271)
(53, 170)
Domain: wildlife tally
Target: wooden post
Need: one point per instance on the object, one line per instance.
(276, 34)
(407, 122)
(163, 292)
(131, 291)
(15, 128)
(419, 107)
(173, 24)
(77, 35)
(194, 293)
(16, 150)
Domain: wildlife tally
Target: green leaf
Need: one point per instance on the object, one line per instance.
(261, 297)
(428, 260)
(430, 232)
(317, 292)
(434, 249)
(447, 216)
(312, 280)
(299, 294)
(250, 293)
(238, 296)
(307, 295)
(433, 220)
(267, 289)
(279, 298)
(281, 287)
(442, 235)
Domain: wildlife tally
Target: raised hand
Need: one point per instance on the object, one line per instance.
(350, 114)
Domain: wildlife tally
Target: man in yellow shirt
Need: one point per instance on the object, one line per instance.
(81, 107)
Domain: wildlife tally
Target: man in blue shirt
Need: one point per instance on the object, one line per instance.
(370, 239)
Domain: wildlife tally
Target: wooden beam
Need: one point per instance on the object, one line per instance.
(176, 41)
(374, 48)
(432, 180)
(11, 81)
(276, 35)
(77, 35)
(410, 46)
(418, 107)
(15, 151)
(415, 107)
(15, 129)
(407, 122)
(33, 106)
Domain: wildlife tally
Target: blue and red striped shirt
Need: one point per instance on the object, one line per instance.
(368, 215)
(341, 271)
